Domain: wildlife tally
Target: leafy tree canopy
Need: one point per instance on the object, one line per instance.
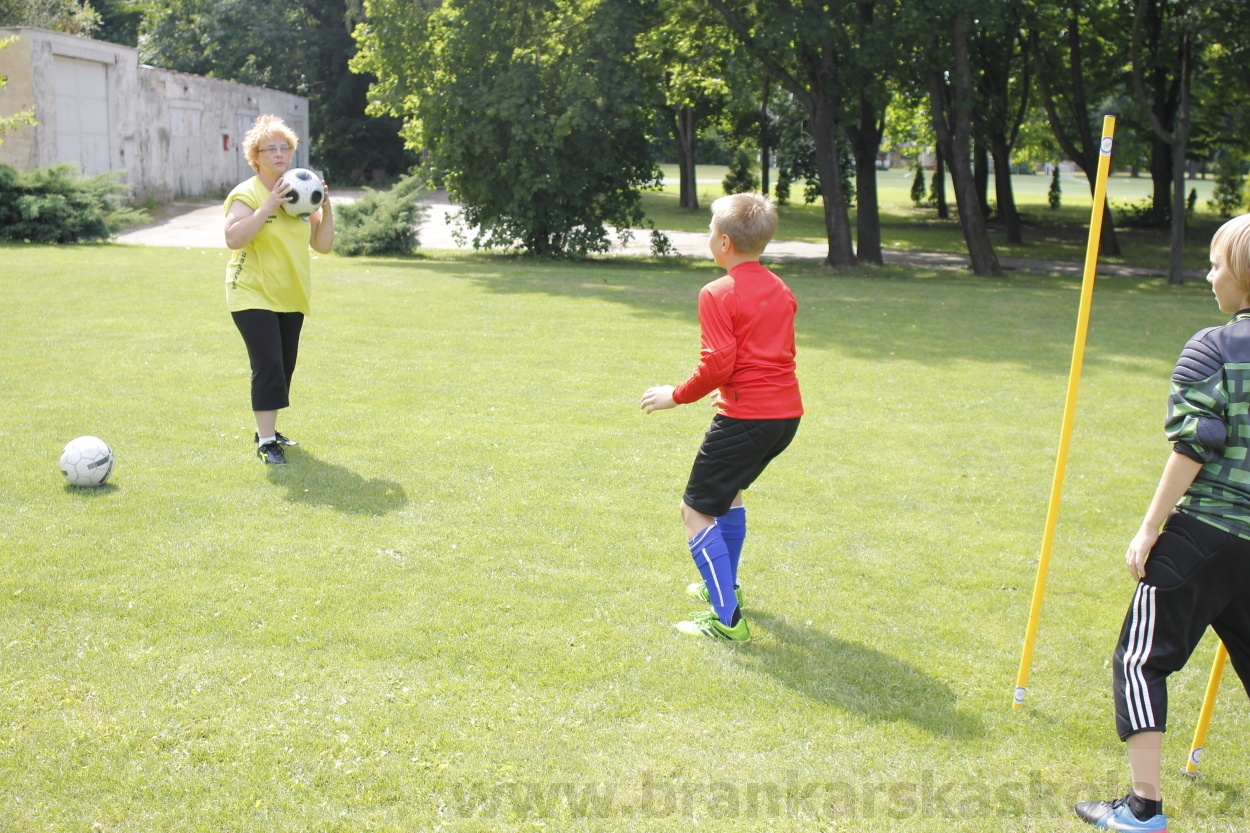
(298, 46)
(534, 113)
(72, 16)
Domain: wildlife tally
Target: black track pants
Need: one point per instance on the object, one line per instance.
(1196, 576)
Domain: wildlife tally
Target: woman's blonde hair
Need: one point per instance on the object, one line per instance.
(750, 220)
(1231, 244)
(266, 127)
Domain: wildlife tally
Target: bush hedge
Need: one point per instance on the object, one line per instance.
(381, 222)
(57, 205)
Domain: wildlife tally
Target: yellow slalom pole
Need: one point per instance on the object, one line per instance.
(1208, 706)
(1069, 408)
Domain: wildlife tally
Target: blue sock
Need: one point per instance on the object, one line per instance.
(733, 528)
(711, 556)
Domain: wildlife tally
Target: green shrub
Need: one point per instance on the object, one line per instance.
(56, 205)
(381, 222)
(917, 186)
(1055, 195)
(1230, 186)
(741, 177)
(782, 191)
(1141, 213)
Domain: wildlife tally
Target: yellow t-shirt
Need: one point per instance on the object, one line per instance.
(271, 272)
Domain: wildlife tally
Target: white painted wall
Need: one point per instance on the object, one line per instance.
(172, 134)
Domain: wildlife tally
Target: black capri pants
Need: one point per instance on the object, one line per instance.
(272, 340)
(1196, 575)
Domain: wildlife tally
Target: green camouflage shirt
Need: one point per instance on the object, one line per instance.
(1209, 421)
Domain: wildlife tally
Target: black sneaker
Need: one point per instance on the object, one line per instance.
(271, 453)
(278, 436)
(1117, 815)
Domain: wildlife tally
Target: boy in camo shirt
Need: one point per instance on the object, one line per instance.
(1196, 571)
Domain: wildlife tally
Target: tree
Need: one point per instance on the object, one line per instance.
(875, 61)
(534, 113)
(910, 131)
(1078, 68)
(19, 119)
(1172, 28)
(1222, 96)
(948, 74)
(67, 16)
(1230, 186)
(796, 152)
(689, 49)
(802, 46)
(120, 20)
(1164, 95)
(298, 46)
(1004, 87)
(917, 184)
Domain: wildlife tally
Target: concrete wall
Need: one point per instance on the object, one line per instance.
(173, 134)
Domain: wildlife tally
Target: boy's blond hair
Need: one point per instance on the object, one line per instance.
(750, 220)
(1231, 244)
(266, 127)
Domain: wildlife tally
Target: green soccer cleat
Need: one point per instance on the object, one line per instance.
(698, 590)
(707, 623)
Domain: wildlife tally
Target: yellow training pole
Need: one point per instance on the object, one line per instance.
(1069, 408)
(1208, 706)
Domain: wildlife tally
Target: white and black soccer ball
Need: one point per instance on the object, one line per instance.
(306, 192)
(87, 461)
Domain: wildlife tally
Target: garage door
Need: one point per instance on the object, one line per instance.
(82, 114)
(187, 150)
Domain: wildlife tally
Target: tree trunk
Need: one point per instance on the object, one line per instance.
(1164, 106)
(837, 218)
(866, 140)
(955, 139)
(1003, 191)
(1176, 253)
(981, 173)
(1161, 179)
(1086, 154)
(684, 133)
(1177, 139)
(1180, 145)
(765, 136)
(939, 185)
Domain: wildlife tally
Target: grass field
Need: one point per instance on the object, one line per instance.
(1048, 234)
(454, 609)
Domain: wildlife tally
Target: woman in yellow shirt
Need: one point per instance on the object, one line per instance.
(267, 280)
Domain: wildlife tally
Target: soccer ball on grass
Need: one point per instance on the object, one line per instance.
(306, 192)
(87, 461)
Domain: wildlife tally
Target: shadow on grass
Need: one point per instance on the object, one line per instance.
(318, 483)
(92, 492)
(855, 678)
(925, 316)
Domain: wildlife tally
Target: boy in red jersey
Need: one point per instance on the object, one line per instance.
(747, 357)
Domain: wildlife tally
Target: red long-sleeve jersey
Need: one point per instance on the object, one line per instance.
(747, 323)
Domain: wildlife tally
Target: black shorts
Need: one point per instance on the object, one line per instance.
(733, 454)
(1196, 575)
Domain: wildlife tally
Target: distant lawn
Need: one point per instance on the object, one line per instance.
(454, 609)
(1048, 234)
